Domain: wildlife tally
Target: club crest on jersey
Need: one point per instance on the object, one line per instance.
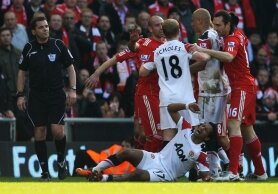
(144, 57)
(191, 154)
(52, 57)
(203, 45)
(231, 44)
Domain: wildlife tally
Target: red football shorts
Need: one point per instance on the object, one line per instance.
(243, 106)
(147, 112)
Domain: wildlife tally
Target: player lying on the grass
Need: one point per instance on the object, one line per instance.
(172, 162)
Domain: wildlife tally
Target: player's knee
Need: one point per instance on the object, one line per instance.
(224, 142)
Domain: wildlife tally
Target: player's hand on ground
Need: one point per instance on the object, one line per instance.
(21, 104)
(194, 107)
(71, 97)
(92, 81)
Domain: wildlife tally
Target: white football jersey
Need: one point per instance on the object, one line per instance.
(213, 81)
(172, 63)
(178, 156)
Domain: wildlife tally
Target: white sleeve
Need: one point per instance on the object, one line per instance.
(149, 66)
(179, 124)
(189, 56)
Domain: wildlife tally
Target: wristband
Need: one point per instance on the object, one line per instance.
(73, 87)
(19, 94)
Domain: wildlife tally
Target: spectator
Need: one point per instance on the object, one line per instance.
(82, 76)
(274, 79)
(125, 68)
(185, 8)
(113, 108)
(19, 34)
(121, 9)
(19, 10)
(108, 9)
(161, 6)
(262, 80)
(275, 17)
(271, 45)
(136, 6)
(107, 35)
(256, 42)
(70, 5)
(88, 105)
(5, 98)
(268, 111)
(211, 5)
(32, 7)
(143, 21)
(50, 8)
(174, 14)
(9, 65)
(233, 6)
(110, 78)
(91, 33)
(76, 38)
(261, 61)
(130, 21)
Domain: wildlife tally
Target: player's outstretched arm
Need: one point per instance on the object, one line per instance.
(197, 66)
(94, 78)
(175, 107)
(220, 55)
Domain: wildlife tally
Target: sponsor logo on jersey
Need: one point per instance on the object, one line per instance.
(144, 57)
(52, 57)
(180, 152)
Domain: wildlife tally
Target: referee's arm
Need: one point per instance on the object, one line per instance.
(72, 82)
(20, 87)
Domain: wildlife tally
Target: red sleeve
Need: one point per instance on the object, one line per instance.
(202, 159)
(187, 46)
(124, 55)
(231, 45)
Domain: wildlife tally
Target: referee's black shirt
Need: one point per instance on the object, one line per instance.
(45, 63)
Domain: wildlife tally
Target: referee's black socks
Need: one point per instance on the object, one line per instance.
(60, 147)
(41, 151)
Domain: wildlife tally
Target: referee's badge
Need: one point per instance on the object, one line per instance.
(52, 57)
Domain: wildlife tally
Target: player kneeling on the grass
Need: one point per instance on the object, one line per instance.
(172, 162)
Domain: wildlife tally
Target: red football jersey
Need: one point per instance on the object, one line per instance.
(125, 55)
(238, 70)
(147, 85)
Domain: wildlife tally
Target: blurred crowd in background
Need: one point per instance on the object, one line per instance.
(94, 30)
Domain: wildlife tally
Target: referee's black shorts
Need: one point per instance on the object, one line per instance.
(46, 107)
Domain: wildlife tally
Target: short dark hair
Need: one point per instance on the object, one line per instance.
(5, 29)
(34, 21)
(214, 130)
(228, 17)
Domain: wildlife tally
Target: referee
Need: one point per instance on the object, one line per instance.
(45, 58)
